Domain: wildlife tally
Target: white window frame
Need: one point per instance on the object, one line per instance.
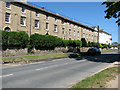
(73, 26)
(74, 32)
(23, 8)
(38, 24)
(8, 5)
(63, 22)
(8, 18)
(87, 36)
(47, 17)
(24, 18)
(83, 35)
(69, 31)
(55, 19)
(63, 30)
(78, 33)
(37, 14)
(55, 28)
(47, 26)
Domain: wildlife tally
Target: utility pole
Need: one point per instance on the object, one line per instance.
(119, 34)
(98, 36)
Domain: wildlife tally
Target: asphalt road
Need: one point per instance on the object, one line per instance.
(61, 73)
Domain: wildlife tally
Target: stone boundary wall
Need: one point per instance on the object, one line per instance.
(24, 52)
(14, 52)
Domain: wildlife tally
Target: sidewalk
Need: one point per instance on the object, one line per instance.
(114, 83)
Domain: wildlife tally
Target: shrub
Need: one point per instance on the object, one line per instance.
(90, 44)
(104, 45)
(45, 42)
(84, 42)
(73, 43)
(109, 46)
(13, 40)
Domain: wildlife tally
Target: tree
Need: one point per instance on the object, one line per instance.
(113, 10)
(84, 42)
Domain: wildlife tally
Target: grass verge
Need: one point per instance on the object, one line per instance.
(98, 80)
(35, 57)
(109, 50)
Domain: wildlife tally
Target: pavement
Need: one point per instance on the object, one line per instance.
(59, 73)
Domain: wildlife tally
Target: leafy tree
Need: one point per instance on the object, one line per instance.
(113, 10)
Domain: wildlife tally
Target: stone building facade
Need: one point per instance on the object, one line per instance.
(18, 16)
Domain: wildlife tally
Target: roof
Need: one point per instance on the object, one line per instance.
(104, 32)
(56, 15)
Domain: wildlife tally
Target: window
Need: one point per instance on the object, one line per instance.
(55, 19)
(89, 36)
(74, 26)
(47, 26)
(36, 23)
(47, 17)
(78, 34)
(69, 31)
(69, 38)
(63, 31)
(37, 14)
(7, 18)
(23, 21)
(23, 10)
(55, 28)
(86, 36)
(63, 22)
(83, 35)
(69, 24)
(8, 5)
(74, 32)
(92, 36)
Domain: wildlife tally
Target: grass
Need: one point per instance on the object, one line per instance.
(98, 80)
(35, 57)
(109, 50)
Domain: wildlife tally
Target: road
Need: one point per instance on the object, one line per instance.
(60, 73)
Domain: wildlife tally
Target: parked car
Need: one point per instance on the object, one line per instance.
(94, 51)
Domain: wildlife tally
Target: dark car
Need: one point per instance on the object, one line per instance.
(94, 51)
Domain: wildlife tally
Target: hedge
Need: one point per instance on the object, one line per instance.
(73, 43)
(45, 42)
(13, 40)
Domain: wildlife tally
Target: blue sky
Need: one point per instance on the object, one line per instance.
(91, 13)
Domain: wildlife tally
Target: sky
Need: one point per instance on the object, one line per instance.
(91, 13)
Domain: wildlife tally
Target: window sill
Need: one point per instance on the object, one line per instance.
(37, 28)
(7, 22)
(23, 25)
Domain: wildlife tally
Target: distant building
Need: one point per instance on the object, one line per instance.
(104, 37)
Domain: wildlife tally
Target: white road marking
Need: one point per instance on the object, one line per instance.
(57, 65)
(6, 75)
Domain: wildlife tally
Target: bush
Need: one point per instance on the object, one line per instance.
(45, 42)
(84, 42)
(109, 46)
(13, 40)
(72, 43)
(104, 45)
(4, 40)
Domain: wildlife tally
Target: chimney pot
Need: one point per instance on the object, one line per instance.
(42, 8)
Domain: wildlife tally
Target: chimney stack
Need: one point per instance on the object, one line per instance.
(57, 14)
(42, 8)
(66, 17)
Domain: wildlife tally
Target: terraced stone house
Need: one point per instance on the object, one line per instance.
(23, 17)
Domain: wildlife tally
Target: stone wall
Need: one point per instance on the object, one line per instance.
(57, 50)
(14, 52)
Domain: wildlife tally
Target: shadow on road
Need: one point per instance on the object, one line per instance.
(105, 58)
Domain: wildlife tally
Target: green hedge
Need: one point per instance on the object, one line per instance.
(13, 40)
(45, 42)
(73, 43)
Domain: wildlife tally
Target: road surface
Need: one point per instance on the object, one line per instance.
(60, 73)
